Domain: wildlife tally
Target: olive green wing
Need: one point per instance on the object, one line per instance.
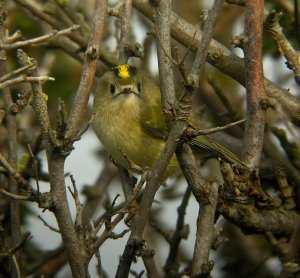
(204, 143)
(153, 120)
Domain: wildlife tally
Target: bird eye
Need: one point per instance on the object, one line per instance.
(139, 87)
(112, 88)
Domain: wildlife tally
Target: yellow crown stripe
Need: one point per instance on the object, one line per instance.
(124, 71)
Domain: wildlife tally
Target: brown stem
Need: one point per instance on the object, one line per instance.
(15, 218)
(165, 64)
(205, 41)
(125, 28)
(75, 249)
(205, 231)
(79, 106)
(255, 118)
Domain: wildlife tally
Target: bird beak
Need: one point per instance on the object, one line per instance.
(129, 89)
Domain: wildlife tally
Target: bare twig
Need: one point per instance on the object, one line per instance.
(12, 171)
(275, 31)
(48, 225)
(13, 73)
(24, 78)
(14, 196)
(39, 40)
(35, 163)
(178, 234)
(205, 42)
(195, 132)
(74, 193)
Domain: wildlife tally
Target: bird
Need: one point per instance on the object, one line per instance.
(129, 121)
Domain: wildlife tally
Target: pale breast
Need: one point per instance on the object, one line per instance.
(121, 131)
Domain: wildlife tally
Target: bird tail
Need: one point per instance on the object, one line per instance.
(206, 144)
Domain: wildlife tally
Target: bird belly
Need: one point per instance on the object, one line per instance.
(125, 137)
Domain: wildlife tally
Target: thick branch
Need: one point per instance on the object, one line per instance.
(255, 122)
(88, 71)
(277, 221)
(15, 218)
(125, 29)
(166, 77)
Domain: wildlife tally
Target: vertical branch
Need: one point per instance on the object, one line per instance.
(205, 231)
(79, 106)
(255, 124)
(75, 250)
(205, 41)
(124, 38)
(166, 78)
(156, 178)
(15, 220)
(171, 265)
(206, 194)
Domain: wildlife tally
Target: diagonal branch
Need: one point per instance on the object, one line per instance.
(88, 71)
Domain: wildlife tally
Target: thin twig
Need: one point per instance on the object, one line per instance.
(13, 73)
(74, 193)
(12, 171)
(196, 132)
(178, 234)
(38, 40)
(36, 172)
(15, 196)
(48, 225)
(205, 42)
(24, 78)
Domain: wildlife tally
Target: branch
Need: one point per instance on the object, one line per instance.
(125, 29)
(293, 58)
(277, 221)
(38, 40)
(191, 132)
(166, 77)
(200, 59)
(13, 73)
(88, 71)
(255, 118)
(223, 59)
(206, 232)
(56, 158)
(24, 78)
(14, 178)
(180, 233)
